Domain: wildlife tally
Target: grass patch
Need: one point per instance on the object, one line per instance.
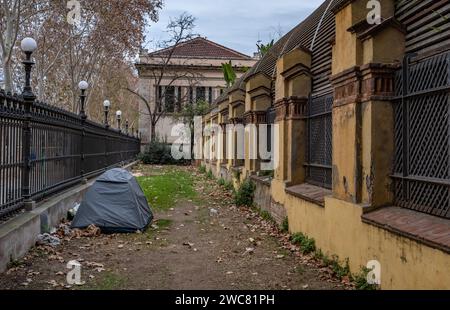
(202, 169)
(221, 182)
(307, 245)
(109, 281)
(285, 225)
(360, 280)
(163, 224)
(210, 175)
(163, 191)
(229, 186)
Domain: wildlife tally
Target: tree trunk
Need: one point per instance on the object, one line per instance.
(7, 73)
(152, 131)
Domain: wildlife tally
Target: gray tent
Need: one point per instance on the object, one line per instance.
(115, 203)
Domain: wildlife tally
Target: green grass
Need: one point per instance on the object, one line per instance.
(307, 245)
(163, 191)
(108, 281)
(163, 223)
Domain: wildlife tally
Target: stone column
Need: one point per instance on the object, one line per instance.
(257, 101)
(236, 114)
(293, 87)
(364, 62)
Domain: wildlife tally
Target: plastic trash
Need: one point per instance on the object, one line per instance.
(213, 212)
(72, 212)
(47, 239)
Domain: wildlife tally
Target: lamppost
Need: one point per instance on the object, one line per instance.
(119, 118)
(28, 46)
(83, 86)
(126, 126)
(106, 105)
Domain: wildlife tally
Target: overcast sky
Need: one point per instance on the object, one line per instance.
(237, 24)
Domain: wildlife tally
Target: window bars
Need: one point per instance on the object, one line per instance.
(422, 135)
(319, 146)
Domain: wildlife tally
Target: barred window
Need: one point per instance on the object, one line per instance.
(422, 133)
(319, 146)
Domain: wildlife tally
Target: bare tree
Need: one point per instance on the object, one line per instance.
(162, 70)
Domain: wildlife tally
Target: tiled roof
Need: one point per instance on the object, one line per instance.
(313, 33)
(202, 48)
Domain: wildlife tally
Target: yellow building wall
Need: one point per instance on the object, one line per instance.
(339, 230)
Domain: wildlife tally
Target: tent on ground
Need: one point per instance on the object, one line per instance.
(115, 203)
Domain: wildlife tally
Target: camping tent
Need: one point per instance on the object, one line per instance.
(114, 203)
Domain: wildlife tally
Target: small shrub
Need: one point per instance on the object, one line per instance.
(210, 175)
(202, 169)
(266, 216)
(340, 270)
(160, 153)
(221, 182)
(285, 225)
(245, 194)
(307, 245)
(229, 186)
(360, 280)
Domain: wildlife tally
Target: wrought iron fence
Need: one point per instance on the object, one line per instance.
(44, 149)
(319, 146)
(422, 135)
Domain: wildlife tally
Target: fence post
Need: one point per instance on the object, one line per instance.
(83, 86)
(28, 46)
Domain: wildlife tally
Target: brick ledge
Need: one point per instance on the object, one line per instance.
(423, 228)
(311, 193)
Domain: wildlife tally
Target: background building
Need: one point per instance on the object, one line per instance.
(194, 72)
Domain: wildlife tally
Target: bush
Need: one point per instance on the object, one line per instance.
(244, 195)
(285, 225)
(159, 153)
(360, 280)
(229, 186)
(221, 182)
(202, 169)
(307, 245)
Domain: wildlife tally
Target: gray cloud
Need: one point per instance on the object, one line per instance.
(238, 24)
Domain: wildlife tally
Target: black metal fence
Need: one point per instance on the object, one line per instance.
(319, 147)
(44, 149)
(422, 135)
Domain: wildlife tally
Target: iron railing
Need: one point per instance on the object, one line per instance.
(44, 149)
(422, 135)
(319, 146)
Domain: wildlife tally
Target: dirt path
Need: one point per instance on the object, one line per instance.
(192, 248)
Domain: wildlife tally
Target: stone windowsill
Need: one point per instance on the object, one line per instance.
(423, 228)
(311, 193)
(263, 180)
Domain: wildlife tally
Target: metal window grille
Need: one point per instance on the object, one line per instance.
(422, 135)
(64, 149)
(319, 146)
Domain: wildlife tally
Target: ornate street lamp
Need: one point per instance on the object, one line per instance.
(28, 46)
(83, 86)
(119, 118)
(106, 105)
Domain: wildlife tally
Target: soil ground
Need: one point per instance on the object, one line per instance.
(188, 247)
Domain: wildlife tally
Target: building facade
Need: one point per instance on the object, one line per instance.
(362, 140)
(184, 74)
